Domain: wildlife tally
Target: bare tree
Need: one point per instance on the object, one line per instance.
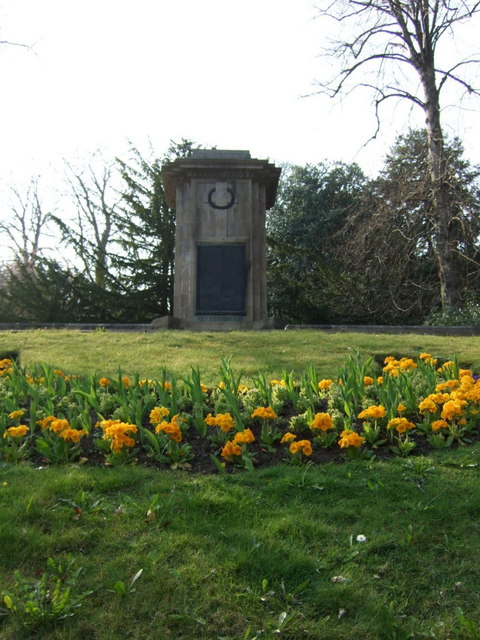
(27, 222)
(96, 202)
(398, 41)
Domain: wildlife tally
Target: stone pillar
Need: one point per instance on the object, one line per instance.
(220, 199)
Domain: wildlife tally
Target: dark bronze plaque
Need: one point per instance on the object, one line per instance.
(221, 279)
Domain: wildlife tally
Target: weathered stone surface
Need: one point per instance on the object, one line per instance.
(220, 198)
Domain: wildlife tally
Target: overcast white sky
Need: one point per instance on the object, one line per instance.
(225, 73)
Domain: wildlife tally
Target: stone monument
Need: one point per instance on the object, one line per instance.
(220, 199)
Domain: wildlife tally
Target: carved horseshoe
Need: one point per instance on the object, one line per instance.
(218, 206)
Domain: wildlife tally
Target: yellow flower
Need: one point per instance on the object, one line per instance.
(203, 387)
(16, 414)
(440, 398)
(58, 425)
(427, 405)
(447, 366)
(380, 380)
(439, 424)
(104, 382)
(167, 386)
(400, 425)
(116, 432)
(6, 363)
(242, 388)
(288, 437)
(427, 358)
(157, 413)
(322, 422)
(126, 381)
(367, 381)
(325, 384)
(171, 429)
(375, 411)
(393, 366)
(46, 421)
(246, 436)
(304, 446)
(277, 383)
(222, 420)
(349, 438)
(230, 449)
(16, 432)
(452, 409)
(401, 408)
(72, 435)
(448, 385)
(266, 413)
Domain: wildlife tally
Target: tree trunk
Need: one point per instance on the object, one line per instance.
(444, 240)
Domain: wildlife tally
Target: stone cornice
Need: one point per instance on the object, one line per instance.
(222, 169)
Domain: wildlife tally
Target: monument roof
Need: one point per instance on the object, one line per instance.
(225, 154)
(220, 164)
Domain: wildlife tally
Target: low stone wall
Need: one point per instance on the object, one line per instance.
(87, 326)
(275, 325)
(394, 329)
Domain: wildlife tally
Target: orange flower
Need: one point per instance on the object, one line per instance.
(59, 425)
(171, 429)
(230, 449)
(46, 421)
(375, 411)
(16, 432)
(325, 384)
(349, 438)
(157, 413)
(72, 435)
(16, 414)
(439, 424)
(427, 406)
(452, 409)
(222, 420)
(322, 422)
(288, 437)
(400, 425)
(246, 436)
(304, 446)
(266, 413)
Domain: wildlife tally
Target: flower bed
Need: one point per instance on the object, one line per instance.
(400, 407)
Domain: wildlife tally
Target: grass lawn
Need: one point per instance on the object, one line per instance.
(244, 555)
(360, 550)
(251, 352)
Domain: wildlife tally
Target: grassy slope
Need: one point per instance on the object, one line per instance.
(223, 557)
(251, 352)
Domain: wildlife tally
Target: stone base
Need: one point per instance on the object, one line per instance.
(165, 322)
(217, 323)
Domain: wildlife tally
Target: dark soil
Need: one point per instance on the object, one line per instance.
(203, 449)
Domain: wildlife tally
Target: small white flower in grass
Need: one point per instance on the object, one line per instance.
(361, 538)
(338, 579)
